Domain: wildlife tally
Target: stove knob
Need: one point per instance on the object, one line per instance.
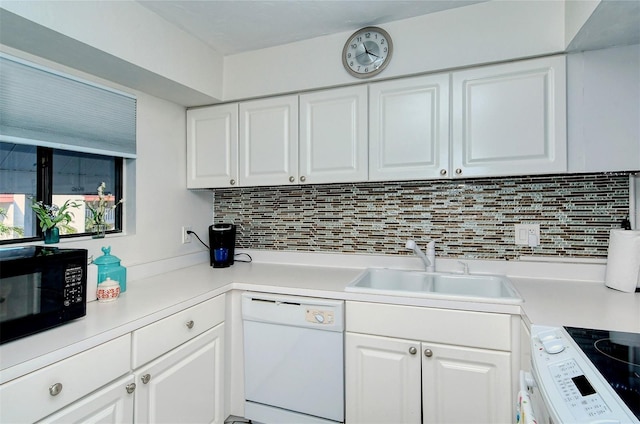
(553, 346)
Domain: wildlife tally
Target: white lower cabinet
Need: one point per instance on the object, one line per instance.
(185, 385)
(397, 368)
(178, 365)
(178, 377)
(111, 405)
(382, 380)
(36, 395)
(478, 379)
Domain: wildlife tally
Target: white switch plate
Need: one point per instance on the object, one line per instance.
(522, 232)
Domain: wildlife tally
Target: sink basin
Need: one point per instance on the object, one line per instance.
(394, 282)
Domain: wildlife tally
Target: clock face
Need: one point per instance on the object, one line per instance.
(367, 52)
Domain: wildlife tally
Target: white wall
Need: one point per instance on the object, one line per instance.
(129, 44)
(480, 33)
(160, 198)
(576, 14)
(603, 92)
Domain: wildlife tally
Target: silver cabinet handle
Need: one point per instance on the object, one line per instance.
(303, 178)
(428, 353)
(55, 389)
(413, 350)
(131, 387)
(145, 378)
(232, 182)
(458, 171)
(189, 324)
(291, 179)
(443, 172)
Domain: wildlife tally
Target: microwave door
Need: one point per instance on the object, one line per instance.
(20, 296)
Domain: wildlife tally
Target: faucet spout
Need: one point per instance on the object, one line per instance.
(429, 259)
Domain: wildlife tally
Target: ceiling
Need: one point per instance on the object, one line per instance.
(231, 27)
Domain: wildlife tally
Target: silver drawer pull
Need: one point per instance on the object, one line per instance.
(291, 179)
(131, 387)
(145, 378)
(428, 353)
(413, 350)
(55, 389)
(189, 324)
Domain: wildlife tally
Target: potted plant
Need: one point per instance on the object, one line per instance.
(98, 209)
(50, 216)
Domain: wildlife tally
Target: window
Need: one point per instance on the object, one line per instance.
(60, 138)
(63, 175)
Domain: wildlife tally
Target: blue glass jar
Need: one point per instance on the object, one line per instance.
(109, 266)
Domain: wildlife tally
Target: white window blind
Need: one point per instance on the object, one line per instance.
(48, 108)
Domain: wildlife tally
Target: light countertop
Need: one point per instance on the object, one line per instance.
(547, 301)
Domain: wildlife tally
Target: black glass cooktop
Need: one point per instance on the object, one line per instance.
(616, 355)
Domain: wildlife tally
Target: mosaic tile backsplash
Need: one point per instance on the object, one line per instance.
(469, 218)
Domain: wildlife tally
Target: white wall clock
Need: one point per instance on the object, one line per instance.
(367, 52)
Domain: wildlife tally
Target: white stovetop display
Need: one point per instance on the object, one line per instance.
(554, 294)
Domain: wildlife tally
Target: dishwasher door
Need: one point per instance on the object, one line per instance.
(293, 349)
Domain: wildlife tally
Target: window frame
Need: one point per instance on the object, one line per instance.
(44, 193)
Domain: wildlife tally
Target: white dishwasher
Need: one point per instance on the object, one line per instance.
(293, 359)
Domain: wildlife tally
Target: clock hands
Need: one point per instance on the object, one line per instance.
(369, 54)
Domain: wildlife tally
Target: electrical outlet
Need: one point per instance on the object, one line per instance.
(186, 238)
(527, 234)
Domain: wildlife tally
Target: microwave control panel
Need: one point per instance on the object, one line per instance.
(73, 287)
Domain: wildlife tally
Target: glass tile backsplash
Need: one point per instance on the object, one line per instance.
(468, 218)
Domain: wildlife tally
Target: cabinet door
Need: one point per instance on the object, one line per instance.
(185, 385)
(269, 141)
(409, 128)
(110, 405)
(465, 385)
(510, 119)
(382, 380)
(212, 146)
(333, 136)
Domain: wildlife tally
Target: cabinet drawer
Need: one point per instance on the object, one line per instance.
(160, 337)
(32, 397)
(464, 328)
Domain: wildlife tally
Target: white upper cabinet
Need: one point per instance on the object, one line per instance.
(269, 141)
(604, 110)
(212, 146)
(499, 120)
(409, 128)
(510, 119)
(333, 136)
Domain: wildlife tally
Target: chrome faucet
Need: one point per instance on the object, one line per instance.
(429, 259)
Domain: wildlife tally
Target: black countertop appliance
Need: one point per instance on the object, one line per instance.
(222, 241)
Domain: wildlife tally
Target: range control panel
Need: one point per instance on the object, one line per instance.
(320, 316)
(578, 394)
(570, 385)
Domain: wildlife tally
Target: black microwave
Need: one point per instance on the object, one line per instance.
(40, 287)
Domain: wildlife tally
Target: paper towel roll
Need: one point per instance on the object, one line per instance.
(623, 261)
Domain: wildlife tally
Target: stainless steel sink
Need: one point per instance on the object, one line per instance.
(394, 282)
